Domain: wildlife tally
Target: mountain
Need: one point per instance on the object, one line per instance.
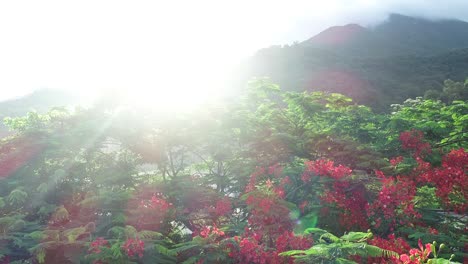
(400, 58)
(338, 35)
(40, 101)
(419, 35)
(398, 35)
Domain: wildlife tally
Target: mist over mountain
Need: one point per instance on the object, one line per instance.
(398, 35)
(400, 58)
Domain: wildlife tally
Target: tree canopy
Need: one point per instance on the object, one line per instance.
(274, 177)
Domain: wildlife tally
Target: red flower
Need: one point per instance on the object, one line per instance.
(397, 160)
(95, 246)
(134, 247)
(223, 206)
(326, 168)
(405, 258)
(413, 140)
(207, 231)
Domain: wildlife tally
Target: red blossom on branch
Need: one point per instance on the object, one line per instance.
(413, 140)
(223, 206)
(134, 246)
(206, 231)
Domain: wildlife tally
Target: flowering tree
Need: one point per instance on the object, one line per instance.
(242, 183)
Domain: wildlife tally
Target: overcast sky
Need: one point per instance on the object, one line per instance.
(92, 45)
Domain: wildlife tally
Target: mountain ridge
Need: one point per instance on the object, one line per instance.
(403, 57)
(397, 35)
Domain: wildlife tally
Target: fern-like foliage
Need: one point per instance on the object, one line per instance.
(332, 249)
(17, 196)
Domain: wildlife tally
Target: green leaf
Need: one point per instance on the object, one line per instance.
(74, 233)
(37, 235)
(356, 236)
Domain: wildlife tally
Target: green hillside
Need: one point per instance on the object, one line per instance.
(400, 58)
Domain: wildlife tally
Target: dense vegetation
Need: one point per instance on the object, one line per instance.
(274, 177)
(40, 100)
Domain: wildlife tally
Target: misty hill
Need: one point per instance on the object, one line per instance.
(40, 101)
(398, 35)
(400, 58)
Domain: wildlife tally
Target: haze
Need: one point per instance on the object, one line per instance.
(179, 50)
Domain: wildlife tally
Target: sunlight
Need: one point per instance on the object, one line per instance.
(169, 88)
(157, 50)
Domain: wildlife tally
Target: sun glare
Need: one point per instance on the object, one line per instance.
(171, 89)
(161, 54)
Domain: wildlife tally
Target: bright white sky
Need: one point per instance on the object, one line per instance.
(167, 47)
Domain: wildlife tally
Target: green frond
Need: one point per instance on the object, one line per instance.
(17, 196)
(37, 235)
(339, 250)
(130, 231)
(356, 236)
(73, 234)
(292, 253)
(321, 234)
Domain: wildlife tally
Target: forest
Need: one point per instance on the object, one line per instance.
(272, 177)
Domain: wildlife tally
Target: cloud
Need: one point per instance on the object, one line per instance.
(311, 17)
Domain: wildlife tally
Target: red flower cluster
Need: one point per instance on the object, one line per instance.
(269, 229)
(267, 214)
(325, 168)
(351, 202)
(417, 255)
(397, 160)
(95, 246)
(288, 241)
(394, 201)
(253, 250)
(254, 178)
(413, 140)
(134, 247)
(223, 207)
(152, 212)
(398, 245)
(207, 231)
(451, 180)
(156, 203)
